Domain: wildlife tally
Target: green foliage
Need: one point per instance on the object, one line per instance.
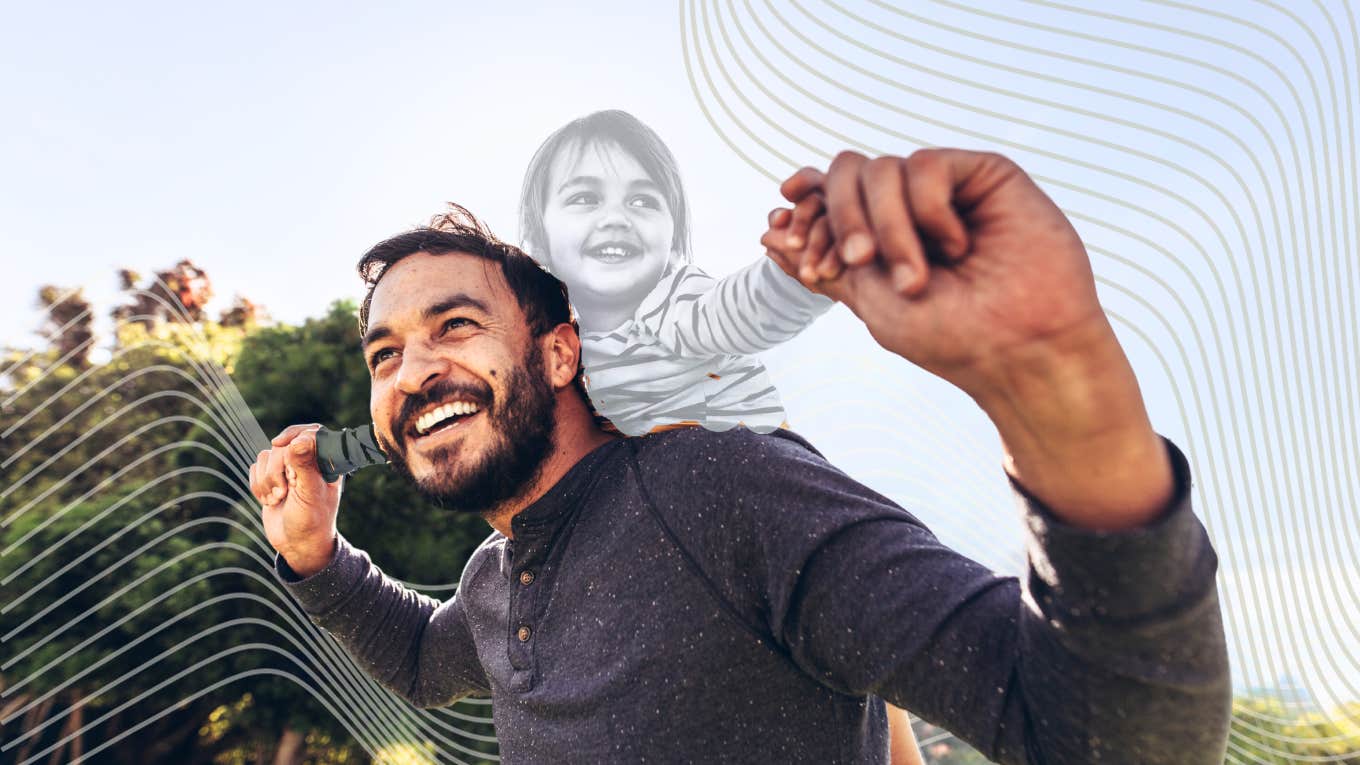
(108, 554)
(132, 549)
(1267, 731)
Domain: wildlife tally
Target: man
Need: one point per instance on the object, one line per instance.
(699, 596)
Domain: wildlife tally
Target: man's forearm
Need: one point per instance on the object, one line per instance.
(412, 644)
(1076, 432)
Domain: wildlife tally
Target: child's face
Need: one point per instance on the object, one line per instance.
(608, 226)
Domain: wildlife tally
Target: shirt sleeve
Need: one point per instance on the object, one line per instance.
(419, 648)
(749, 311)
(1111, 649)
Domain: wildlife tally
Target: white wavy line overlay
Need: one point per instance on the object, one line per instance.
(1207, 155)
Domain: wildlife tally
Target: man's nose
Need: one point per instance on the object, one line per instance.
(420, 368)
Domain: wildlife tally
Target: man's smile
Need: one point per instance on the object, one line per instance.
(442, 427)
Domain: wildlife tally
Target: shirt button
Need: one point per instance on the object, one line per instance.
(526, 577)
(524, 634)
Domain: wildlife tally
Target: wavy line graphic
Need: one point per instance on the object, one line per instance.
(92, 609)
(1207, 156)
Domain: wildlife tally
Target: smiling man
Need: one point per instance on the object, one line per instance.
(694, 596)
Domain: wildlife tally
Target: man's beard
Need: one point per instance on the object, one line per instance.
(523, 424)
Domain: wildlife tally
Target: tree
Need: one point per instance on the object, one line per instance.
(108, 558)
(1268, 731)
(139, 601)
(69, 323)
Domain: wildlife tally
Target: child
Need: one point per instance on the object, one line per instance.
(663, 343)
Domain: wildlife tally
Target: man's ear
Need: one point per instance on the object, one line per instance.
(563, 355)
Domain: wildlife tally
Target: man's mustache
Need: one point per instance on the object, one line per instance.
(479, 392)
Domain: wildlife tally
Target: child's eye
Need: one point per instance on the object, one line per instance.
(646, 201)
(583, 198)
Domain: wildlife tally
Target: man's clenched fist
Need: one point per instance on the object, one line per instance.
(954, 259)
(299, 506)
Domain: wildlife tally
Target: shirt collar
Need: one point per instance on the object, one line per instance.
(543, 514)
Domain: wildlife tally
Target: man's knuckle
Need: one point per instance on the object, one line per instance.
(879, 166)
(847, 157)
(924, 162)
(998, 159)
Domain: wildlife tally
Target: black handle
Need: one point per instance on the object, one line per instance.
(341, 452)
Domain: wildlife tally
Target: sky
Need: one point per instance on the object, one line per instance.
(1206, 155)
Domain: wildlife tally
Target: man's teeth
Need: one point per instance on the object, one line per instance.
(427, 421)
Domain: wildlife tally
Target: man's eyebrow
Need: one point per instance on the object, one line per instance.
(374, 335)
(459, 300)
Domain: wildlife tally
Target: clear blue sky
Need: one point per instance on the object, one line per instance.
(272, 145)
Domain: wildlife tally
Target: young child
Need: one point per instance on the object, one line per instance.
(663, 343)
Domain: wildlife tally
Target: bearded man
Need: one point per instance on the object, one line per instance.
(692, 596)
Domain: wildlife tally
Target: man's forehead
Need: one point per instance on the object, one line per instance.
(411, 285)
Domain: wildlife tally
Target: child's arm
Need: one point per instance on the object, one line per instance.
(752, 310)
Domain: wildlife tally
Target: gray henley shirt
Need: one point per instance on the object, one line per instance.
(692, 596)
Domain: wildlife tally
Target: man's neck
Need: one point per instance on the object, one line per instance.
(571, 444)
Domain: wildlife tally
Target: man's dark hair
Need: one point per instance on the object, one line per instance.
(541, 296)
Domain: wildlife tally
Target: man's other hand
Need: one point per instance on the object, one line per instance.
(299, 507)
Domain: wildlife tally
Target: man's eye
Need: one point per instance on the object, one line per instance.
(458, 322)
(646, 201)
(379, 357)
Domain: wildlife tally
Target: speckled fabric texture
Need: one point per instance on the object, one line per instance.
(693, 596)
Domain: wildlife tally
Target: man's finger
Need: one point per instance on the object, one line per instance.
(931, 184)
(290, 432)
(257, 474)
(891, 216)
(299, 466)
(845, 209)
(802, 183)
(273, 480)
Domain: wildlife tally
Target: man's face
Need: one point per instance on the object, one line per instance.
(461, 400)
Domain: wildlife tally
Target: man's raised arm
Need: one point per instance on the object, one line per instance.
(417, 647)
(957, 262)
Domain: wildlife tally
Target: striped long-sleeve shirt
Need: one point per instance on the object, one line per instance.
(686, 354)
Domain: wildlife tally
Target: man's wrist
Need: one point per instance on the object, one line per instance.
(307, 563)
(1075, 430)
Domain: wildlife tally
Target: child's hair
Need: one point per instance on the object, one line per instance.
(611, 126)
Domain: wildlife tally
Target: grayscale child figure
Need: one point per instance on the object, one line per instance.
(663, 343)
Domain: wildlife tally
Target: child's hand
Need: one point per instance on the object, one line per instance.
(799, 242)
